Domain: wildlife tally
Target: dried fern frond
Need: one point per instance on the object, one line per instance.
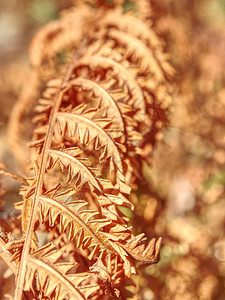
(96, 122)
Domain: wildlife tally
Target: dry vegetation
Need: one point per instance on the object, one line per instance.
(123, 112)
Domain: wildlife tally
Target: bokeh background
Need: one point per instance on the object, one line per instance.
(182, 195)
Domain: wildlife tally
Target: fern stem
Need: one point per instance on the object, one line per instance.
(40, 178)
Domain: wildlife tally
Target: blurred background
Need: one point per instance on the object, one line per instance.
(182, 195)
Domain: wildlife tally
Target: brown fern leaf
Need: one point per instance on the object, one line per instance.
(50, 278)
(6, 255)
(87, 228)
(46, 276)
(132, 25)
(146, 254)
(121, 75)
(132, 48)
(96, 122)
(150, 70)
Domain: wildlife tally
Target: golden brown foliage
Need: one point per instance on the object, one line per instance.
(179, 196)
(98, 116)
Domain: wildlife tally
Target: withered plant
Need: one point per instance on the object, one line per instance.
(101, 85)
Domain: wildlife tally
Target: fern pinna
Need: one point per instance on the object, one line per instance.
(95, 127)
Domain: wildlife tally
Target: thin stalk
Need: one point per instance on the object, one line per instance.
(40, 179)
